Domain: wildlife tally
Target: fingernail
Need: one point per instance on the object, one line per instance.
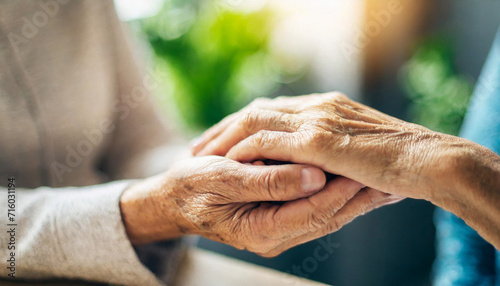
(311, 179)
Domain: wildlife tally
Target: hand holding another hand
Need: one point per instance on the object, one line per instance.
(335, 134)
(265, 209)
(268, 209)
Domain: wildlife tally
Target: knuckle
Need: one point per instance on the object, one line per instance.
(261, 140)
(373, 199)
(275, 183)
(327, 121)
(280, 119)
(323, 218)
(316, 140)
(332, 226)
(318, 220)
(250, 120)
(320, 137)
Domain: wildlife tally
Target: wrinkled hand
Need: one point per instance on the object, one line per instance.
(334, 133)
(265, 209)
(347, 138)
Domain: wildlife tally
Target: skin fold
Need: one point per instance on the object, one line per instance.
(349, 139)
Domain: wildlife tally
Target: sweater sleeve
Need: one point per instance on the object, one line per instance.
(143, 142)
(70, 233)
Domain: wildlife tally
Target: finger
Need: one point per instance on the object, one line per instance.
(363, 202)
(280, 146)
(280, 182)
(315, 212)
(248, 124)
(212, 132)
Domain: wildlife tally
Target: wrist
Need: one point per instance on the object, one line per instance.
(149, 212)
(469, 174)
(473, 193)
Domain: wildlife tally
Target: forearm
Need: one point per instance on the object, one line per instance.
(470, 188)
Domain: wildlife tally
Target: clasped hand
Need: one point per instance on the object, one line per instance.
(233, 198)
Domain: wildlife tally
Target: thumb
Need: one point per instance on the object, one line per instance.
(282, 182)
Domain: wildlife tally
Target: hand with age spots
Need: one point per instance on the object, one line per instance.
(264, 209)
(346, 138)
(303, 129)
(325, 130)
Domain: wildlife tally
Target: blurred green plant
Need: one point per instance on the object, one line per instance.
(439, 96)
(217, 60)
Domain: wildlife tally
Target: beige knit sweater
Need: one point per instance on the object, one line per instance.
(74, 111)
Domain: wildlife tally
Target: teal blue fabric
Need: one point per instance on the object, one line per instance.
(463, 257)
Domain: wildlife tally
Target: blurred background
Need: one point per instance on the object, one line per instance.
(416, 60)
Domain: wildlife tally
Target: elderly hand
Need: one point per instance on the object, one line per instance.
(265, 209)
(336, 134)
(347, 138)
